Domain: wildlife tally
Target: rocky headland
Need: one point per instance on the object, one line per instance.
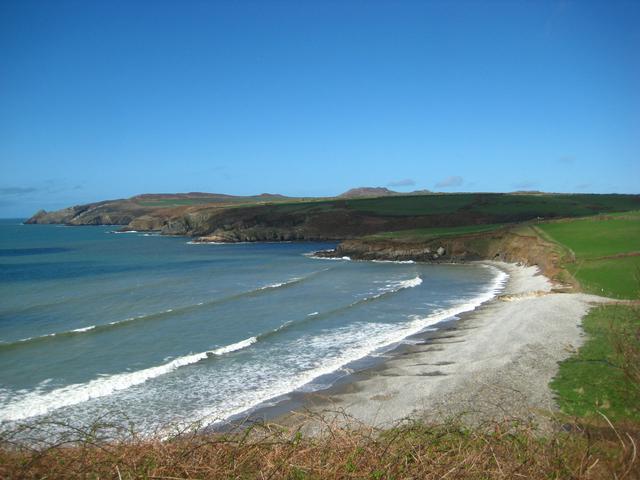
(514, 244)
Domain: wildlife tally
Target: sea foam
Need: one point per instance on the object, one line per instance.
(366, 344)
(40, 403)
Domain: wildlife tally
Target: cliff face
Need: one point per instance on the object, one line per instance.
(249, 224)
(117, 212)
(503, 245)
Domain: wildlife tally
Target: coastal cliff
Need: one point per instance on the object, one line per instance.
(521, 244)
(269, 217)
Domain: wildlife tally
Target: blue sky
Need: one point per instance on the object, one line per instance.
(110, 99)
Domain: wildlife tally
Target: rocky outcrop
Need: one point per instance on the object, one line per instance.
(368, 192)
(117, 212)
(506, 245)
(147, 223)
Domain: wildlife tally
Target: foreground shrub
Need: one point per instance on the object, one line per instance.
(411, 451)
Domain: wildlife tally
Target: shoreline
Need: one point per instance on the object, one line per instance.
(493, 363)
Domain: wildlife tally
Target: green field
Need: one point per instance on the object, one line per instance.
(436, 232)
(591, 238)
(178, 202)
(496, 204)
(594, 379)
(606, 250)
(616, 278)
(499, 205)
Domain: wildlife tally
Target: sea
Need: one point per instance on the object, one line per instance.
(172, 333)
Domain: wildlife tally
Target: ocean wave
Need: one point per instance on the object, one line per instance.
(383, 337)
(282, 284)
(394, 261)
(191, 242)
(390, 288)
(315, 257)
(82, 330)
(371, 343)
(38, 403)
(152, 316)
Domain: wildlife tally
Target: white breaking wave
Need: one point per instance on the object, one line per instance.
(394, 261)
(369, 345)
(148, 315)
(191, 242)
(29, 339)
(282, 284)
(414, 282)
(85, 329)
(40, 337)
(91, 327)
(311, 255)
(37, 403)
(396, 287)
(375, 341)
(233, 347)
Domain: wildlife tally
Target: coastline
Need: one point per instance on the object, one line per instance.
(492, 364)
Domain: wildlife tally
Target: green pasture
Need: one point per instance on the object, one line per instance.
(222, 201)
(594, 237)
(606, 252)
(594, 379)
(436, 232)
(614, 277)
(496, 204)
(178, 202)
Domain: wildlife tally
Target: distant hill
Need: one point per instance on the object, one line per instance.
(368, 192)
(152, 210)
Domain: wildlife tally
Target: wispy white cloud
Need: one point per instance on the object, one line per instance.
(407, 182)
(453, 181)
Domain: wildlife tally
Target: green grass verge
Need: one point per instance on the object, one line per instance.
(593, 380)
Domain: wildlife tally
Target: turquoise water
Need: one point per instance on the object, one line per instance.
(171, 332)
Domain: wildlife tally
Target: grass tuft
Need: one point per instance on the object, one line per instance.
(412, 450)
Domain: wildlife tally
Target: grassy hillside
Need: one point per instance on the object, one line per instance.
(436, 232)
(496, 204)
(603, 252)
